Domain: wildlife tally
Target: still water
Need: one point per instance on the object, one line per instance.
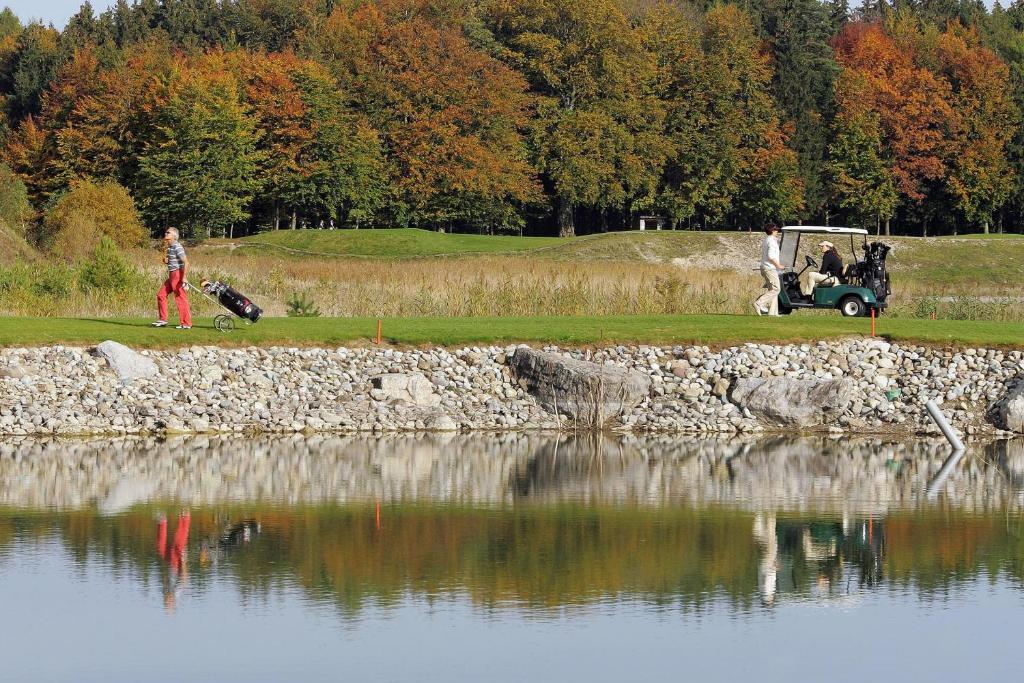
(513, 558)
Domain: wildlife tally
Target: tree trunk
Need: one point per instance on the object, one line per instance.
(986, 226)
(277, 216)
(566, 224)
(886, 227)
(295, 218)
(231, 233)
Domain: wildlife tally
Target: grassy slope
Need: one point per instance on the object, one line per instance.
(710, 329)
(397, 243)
(413, 243)
(974, 259)
(13, 247)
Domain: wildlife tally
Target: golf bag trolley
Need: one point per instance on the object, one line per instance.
(235, 303)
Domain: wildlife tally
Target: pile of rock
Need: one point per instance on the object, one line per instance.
(857, 385)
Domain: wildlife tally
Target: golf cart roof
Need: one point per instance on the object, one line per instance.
(822, 229)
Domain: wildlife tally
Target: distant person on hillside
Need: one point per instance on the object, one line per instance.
(768, 303)
(177, 268)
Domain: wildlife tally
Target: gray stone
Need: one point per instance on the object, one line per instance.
(441, 423)
(128, 364)
(1010, 409)
(212, 373)
(410, 387)
(14, 372)
(789, 402)
(586, 392)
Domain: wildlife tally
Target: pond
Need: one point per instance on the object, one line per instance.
(509, 558)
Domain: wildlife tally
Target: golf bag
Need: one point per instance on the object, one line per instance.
(233, 300)
(873, 275)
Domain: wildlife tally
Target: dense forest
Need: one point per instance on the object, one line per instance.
(227, 117)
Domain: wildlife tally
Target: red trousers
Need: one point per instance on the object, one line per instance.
(174, 554)
(175, 283)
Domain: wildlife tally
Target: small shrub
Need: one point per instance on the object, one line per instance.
(77, 221)
(17, 278)
(15, 209)
(107, 270)
(926, 307)
(54, 282)
(299, 306)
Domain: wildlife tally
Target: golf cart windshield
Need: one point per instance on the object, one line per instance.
(803, 240)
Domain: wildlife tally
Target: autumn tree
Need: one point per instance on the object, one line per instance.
(727, 153)
(323, 160)
(598, 131)
(910, 102)
(983, 124)
(451, 117)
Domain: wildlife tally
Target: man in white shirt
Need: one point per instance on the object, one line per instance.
(768, 303)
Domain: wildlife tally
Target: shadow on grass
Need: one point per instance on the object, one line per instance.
(140, 325)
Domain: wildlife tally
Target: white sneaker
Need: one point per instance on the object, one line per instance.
(160, 323)
(183, 327)
(760, 311)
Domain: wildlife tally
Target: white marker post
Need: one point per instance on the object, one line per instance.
(947, 429)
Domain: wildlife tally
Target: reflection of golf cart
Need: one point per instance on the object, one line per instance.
(863, 286)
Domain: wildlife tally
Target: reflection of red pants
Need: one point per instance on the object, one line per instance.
(175, 283)
(175, 553)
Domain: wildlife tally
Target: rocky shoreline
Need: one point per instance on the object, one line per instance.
(845, 386)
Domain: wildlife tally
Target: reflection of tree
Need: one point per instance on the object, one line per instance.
(548, 556)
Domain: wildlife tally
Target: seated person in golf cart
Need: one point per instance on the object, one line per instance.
(831, 272)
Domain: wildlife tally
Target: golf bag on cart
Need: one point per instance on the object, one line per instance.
(871, 270)
(232, 300)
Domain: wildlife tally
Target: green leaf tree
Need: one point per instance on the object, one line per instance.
(200, 171)
(599, 124)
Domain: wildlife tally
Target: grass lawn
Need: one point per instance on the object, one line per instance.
(702, 329)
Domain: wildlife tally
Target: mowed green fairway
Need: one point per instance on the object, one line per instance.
(715, 330)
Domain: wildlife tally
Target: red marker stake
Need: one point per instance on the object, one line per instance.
(872, 322)
(379, 324)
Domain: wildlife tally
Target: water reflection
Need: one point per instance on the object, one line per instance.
(566, 522)
(451, 542)
(866, 475)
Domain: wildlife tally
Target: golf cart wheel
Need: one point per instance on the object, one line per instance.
(853, 306)
(224, 323)
(785, 310)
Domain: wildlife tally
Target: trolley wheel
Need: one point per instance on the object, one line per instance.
(224, 323)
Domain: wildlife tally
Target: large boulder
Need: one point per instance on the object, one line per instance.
(129, 365)
(1010, 408)
(412, 388)
(788, 402)
(585, 392)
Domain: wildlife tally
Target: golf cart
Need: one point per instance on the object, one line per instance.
(863, 286)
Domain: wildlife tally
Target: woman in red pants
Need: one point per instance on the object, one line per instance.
(174, 554)
(177, 267)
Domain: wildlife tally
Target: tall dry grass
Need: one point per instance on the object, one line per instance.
(481, 286)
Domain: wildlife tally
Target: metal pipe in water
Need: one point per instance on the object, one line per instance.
(940, 477)
(947, 429)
